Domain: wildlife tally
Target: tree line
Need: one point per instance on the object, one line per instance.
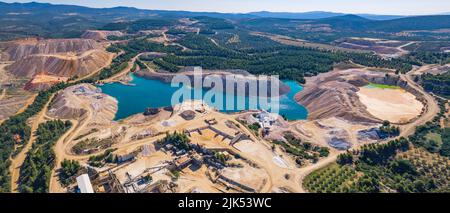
(36, 170)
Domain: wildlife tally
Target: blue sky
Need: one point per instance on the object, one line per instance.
(394, 7)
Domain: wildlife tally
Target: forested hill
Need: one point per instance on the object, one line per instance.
(395, 25)
(358, 23)
(59, 21)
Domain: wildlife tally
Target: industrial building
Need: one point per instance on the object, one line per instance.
(84, 184)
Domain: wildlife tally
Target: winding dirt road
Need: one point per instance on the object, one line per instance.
(431, 110)
(3, 94)
(55, 186)
(125, 71)
(62, 148)
(17, 162)
(110, 59)
(431, 107)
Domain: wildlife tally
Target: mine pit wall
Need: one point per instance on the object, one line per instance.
(167, 78)
(320, 92)
(395, 80)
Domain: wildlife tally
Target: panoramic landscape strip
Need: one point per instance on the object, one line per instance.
(127, 100)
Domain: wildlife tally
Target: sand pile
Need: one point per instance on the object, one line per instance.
(42, 82)
(335, 94)
(23, 48)
(61, 65)
(84, 100)
(54, 57)
(100, 34)
(394, 105)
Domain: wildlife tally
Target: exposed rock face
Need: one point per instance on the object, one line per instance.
(151, 111)
(19, 49)
(60, 65)
(42, 82)
(100, 34)
(10, 105)
(333, 94)
(54, 57)
(84, 101)
(241, 76)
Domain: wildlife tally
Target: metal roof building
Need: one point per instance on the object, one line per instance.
(84, 184)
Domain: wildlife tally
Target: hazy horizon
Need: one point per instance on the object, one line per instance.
(378, 7)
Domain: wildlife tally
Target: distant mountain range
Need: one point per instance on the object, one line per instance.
(319, 15)
(59, 21)
(135, 12)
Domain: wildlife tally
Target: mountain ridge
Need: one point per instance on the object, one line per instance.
(255, 14)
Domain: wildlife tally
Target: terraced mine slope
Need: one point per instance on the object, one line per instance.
(55, 57)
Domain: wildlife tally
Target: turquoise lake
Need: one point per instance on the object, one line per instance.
(146, 93)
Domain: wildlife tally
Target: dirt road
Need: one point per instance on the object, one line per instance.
(322, 163)
(1, 97)
(27, 104)
(431, 107)
(55, 186)
(124, 71)
(403, 51)
(110, 59)
(17, 162)
(3, 94)
(63, 146)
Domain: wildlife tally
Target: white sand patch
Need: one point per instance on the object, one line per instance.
(395, 105)
(280, 162)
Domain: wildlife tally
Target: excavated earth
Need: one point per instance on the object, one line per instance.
(18, 49)
(100, 34)
(60, 65)
(83, 101)
(334, 94)
(54, 57)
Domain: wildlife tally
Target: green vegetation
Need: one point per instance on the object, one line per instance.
(359, 171)
(100, 160)
(383, 86)
(163, 65)
(16, 133)
(302, 150)
(288, 62)
(379, 165)
(36, 169)
(175, 174)
(374, 164)
(432, 136)
(430, 57)
(437, 84)
(352, 26)
(130, 50)
(94, 130)
(391, 167)
(430, 166)
(221, 157)
(331, 179)
(242, 40)
(389, 130)
(375, 154)
(92, 144)
(120, 38)
(179, 140)
(345, 158)
(68, 172)
(445, 147)
(214, 23)
(136, 26)
(255, 127)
